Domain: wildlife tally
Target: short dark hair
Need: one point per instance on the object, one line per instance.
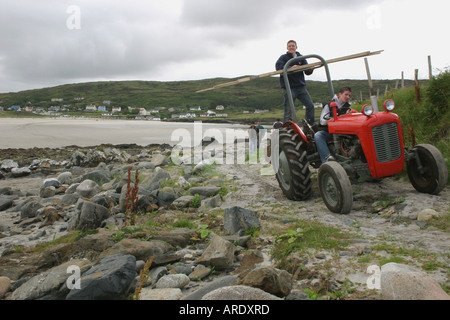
(343, 89)
(292, 41)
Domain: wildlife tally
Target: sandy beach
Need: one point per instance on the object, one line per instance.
(61, 132)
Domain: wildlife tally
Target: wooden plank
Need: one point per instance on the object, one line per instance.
(296, 68)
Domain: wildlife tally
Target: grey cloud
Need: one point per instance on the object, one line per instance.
(130, 38)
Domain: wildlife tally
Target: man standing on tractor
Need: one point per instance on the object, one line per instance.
(297, 84)
(322, 136)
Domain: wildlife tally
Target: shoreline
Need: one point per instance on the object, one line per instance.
(83, 132)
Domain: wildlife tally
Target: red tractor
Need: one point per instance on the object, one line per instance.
(365, 145)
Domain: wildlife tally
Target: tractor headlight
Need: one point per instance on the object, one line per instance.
(389, 105)
(367, 109)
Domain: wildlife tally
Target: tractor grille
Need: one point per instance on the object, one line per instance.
(387, 142)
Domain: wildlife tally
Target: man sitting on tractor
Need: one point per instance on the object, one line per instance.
(322, 135)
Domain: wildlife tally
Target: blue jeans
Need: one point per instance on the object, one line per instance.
(321, 138)
(302, 94)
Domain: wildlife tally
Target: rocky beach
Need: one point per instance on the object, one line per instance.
(124, 222)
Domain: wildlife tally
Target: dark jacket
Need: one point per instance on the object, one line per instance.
(296, 79)
(327, 113)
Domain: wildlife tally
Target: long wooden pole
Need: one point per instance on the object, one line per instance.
(292, 70)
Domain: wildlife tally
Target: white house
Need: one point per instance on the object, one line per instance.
(220, 107)
(143, 112)
(188, 115)
(91, 107)
(116, 109)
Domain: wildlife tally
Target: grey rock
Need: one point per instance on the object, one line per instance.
(402, 282)
(237, 220)
(142, 250)
(78, 158)
(183, 201)
(69, 199)
(8, 164)
(219, 253)
(272, 280)
(166, 198)
(29, 209)
(157, 272)
(204, 191)
(160, 294)
(20, 172)
(173, 281)
(239, 293)
(213, 202)
(65, 178)
(297, 295)
(98, 176)
(6, 202)
(47, 192)
(111, 279)
(51, 284)
(51, 182)
(159, 160)
(90, 216)
(145, 165)
(87, 188)
(211, 286)
(158, 175)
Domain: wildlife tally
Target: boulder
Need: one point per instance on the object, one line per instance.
(402, 282)
(111, 279)
(237, 220)
(88, 188)
(142, 250)
(183, 202)
(426, 215)
(219, 253)
(204, 191)
(65, 178)
(173, 281)
(239, 292)
(6, 202)
(8, 164)
(5, 286)
(29, 209)
(90, 216)
(51, 284)
(274, 281)
(160, 294)
(98, 176)
(20, 172)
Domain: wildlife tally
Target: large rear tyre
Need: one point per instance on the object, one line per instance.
(292, 166)
(432, 175)
(335, 187)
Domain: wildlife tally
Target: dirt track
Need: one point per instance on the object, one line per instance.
(392, 232)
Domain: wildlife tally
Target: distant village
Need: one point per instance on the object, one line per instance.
(59, 109)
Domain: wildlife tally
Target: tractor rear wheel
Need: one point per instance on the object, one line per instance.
(335, 187)
(433, 175)
(292, 166)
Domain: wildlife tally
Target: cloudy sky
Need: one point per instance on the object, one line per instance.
(51, 42)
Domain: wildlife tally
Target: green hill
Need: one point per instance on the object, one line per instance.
(258, 94)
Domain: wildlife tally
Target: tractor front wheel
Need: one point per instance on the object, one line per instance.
(335, 187)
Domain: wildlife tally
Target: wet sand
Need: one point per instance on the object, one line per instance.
(62, 132)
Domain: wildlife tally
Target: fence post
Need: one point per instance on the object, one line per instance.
(430, 69)
(417, 85)
(373, 98)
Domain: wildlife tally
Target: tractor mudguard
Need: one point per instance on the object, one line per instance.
(294, 126)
